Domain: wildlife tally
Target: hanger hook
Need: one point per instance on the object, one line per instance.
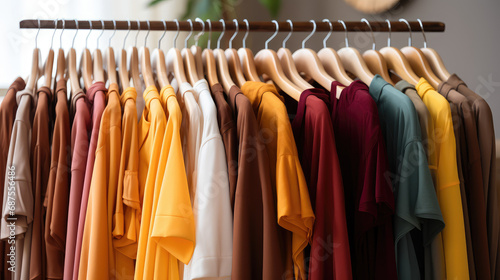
(114, 32)
(289, 34)
(87, 39)
(246, 33)
(163, 35)
(147, 34)
(275, 33)
(176, 34)
(409, 29)
(77, 27)
(102, 32)
(423, 33)
(62, 30)
(36, 36)
(389, 37)
(126, 35)
(345, 32)
(371, 31)
(236, 25)
(197, 36)
(329, 33)
(190, 33)
(209, 22)
(222, 33)
(138, 30)
(55, 29)
(310, 35)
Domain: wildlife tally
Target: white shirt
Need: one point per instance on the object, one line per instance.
(212, 257)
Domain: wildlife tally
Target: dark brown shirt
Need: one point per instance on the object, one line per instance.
(8, 110)
(57, 198)
(227, 129)
(486, 138)
(258, 240)
(471, 168)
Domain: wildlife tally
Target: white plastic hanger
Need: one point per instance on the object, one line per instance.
(433, 58)
(72, 70)
(285, 56)
(221, 62)
(109, 57)
(268, 63)
(188, 58)
(247, 59)
(418, 61)
(97, 60)
(122, 67)
(307, 61)
(159, 61)
(233, 59)
(353, 62)
(86, 62)
(35, 65)
(331, 61)
(145, 67)
(374, 59)
(49, 61)
(196, 50)
(174, 61)
(209, 59)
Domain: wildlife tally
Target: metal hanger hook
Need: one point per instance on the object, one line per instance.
(36, 36)
(126, 35)
(389, 37)
(310, 35)
(275, 33)
(147, 34)
(164, 32)
(246, 33)
(423, 32)
(209, 22)
(138, 30)
(99, 37)
(62, 30)
(409, 29)
(190, 33)
(87, 39)
(236, 26)
(222, 33)
(371, 31)
(77, 27)
(345, 32)
(176, 34)
(112, 35)
(329, 33)
(55, 29)
(197, 36)
(289, 34)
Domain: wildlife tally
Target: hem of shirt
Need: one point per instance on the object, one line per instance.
(212, 265)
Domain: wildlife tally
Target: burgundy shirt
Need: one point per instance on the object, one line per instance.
(313, 132)
(369, 198)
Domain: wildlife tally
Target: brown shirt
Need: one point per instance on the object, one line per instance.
(471, 167)
(57, 197)
(258, 240)
(8, 110)
(40, 162)
(486, 138)
(227, 129)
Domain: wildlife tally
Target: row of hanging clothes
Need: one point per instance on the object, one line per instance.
(218, 164)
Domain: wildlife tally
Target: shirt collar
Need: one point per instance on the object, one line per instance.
(403, 86)
(113, 88)
(165, 93)
(150, 94)
(423, 87)
(256, 90)
(94, 88)
(376, 86)
(455, 81)
(128, 93)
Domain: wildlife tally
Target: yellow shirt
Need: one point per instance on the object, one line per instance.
(447, 182)
(151, 131)
(126, 219)
(97, 255)
(293, 204)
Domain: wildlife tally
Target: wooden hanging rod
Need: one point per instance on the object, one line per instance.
(299, 26)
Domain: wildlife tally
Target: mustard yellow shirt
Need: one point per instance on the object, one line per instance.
(293, 204)
(447, 182)
(151, 131)
(97, 255)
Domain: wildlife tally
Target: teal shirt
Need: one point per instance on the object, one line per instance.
(417, 206)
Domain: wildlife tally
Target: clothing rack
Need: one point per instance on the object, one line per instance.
(298, 26)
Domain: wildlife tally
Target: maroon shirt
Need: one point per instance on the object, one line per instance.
(313, 132)
(368, 194)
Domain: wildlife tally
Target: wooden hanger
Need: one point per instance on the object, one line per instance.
(221, 62)
(122, 67)
(418, 61)
(331, 61)
(247, 59)
(86, 62)
(188, 58)
(97, 59)
(72, 70)
(134, 63)
(233, 59)
(307, 61)
(146, 70)
(109, 57)
(397, 61)
(434, 58)
(209, 59)
(159, 61)
(286, 58)
(49, 62)
(268, 63)
(374, 59)
(35, 65)
(174, 61)
(196, 50)
(61, 60)
(353, 62)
